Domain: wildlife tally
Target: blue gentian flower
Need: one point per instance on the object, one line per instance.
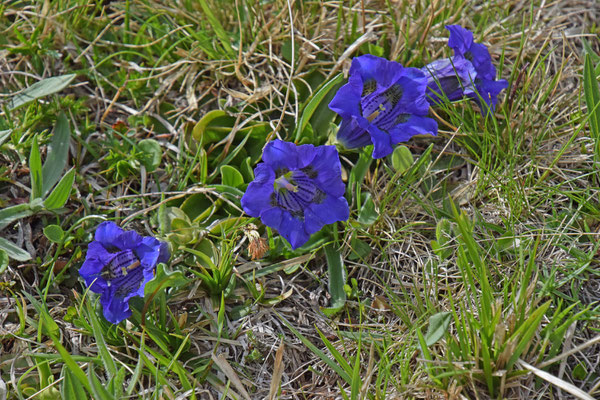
(450, 78)
(484, 78)
(118, 265)
(297, 190)
(383, 103)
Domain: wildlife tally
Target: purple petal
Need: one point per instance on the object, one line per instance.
(279, 154)
(164, 254)
(415, 125)
(293, 230)
(331, 210)
(128, 240)
(148, 252)
(107, 232)
(460, 39)
(482, 61)
(257, 198)
(382, 142)
(272, 217)
(449, 77)
(352, 135)
(329, 170)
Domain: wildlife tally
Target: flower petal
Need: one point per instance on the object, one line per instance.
(272, 217)
(279, 154)
(257, 198)
(331, 210)
(328, 170)
(352, 135)
(128, 240)
(106, 233)
(382, 142)
(449, 77)
(482, 61)
(415, 125)
(164, 253)
(148, 252)
(460, 39)
(292, 230)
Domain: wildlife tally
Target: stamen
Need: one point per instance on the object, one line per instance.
(125, 270)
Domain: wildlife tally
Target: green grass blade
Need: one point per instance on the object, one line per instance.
(339, 370)
(58, 153)
(218, 28)
(336, 354)
(592, 100)
(109, 362)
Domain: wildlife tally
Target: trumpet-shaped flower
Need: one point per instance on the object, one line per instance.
(118, 265)
(450, 78)
(481, 72)
(297, 190)
(383, 103)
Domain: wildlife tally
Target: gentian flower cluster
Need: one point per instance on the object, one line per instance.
(383, 103)
(118, 265)
(297, 190)
(470, 73)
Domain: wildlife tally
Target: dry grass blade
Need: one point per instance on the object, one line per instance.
(224, 365)
(566, 386)
(277, 371)
(572, 351)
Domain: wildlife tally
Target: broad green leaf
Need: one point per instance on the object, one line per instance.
(359, 170)
(71, 388)
(4, 135)
(39, 89)
(337, 278)
(3, 260)
(368, 213)
(230, 176)
(54, 233)
(98, 390)
(152, 154)
(313, 103)
(402, 159)
(61, 192)
(165, 279)
(14, 252)
(12, 213)
(35, 170)
(438, 325)
(58, 153)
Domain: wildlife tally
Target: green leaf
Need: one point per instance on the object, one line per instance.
(4, 135)
(368, 213)
(402, 159)
(313, 103)
(3, 260)
(10, 214)
(61, 192)
(97, 387)
(71, 388)
(337, 279)
(58, 153)
(152, 154)
(359, 170)
(438, 325)
(54, 233)
(35, 170)
(165, 279)
(201, 126)
(230, 176)
(39, 89)
(14, 252)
